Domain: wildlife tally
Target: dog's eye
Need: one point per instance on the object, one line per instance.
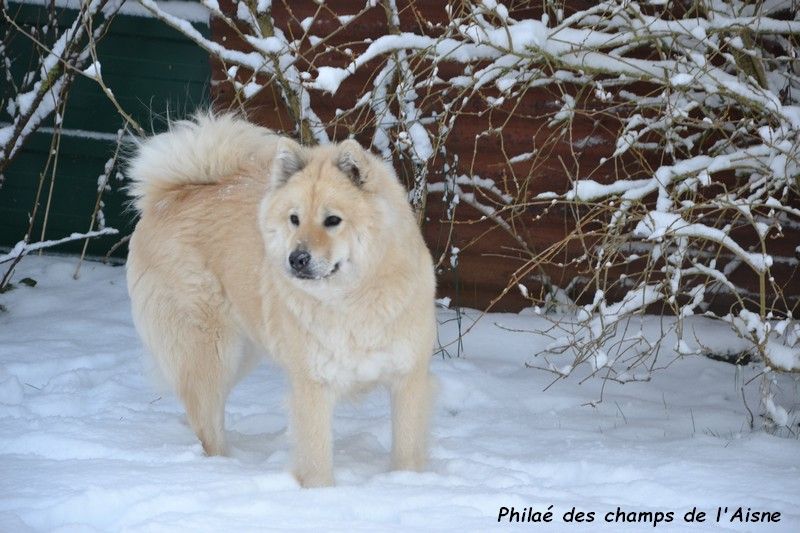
(294, 220)
(332, 221)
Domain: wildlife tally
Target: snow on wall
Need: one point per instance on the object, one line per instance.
(193, 12)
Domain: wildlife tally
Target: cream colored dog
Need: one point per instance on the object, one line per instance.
(312, 255)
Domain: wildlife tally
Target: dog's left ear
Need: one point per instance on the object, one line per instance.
(352, 161)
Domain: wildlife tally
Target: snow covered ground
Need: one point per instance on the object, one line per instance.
(88, 444)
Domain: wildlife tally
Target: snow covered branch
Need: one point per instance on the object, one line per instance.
(60, 53)
(37, 79)
(22, 248)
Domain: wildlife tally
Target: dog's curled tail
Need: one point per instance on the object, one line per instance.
(199, 151)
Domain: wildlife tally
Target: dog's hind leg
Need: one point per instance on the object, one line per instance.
(201, 363)
(203, 386)
(196, 351)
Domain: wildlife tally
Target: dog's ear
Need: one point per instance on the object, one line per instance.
(352, 161)
(290, 158)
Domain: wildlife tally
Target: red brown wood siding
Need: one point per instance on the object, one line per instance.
(489, 256)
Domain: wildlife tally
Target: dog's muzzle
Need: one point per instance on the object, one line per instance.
(299, 261)
(302, 266)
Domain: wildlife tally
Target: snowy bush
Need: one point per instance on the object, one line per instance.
(36, 88)
(705, 174)
(59, 55)
(705, 94)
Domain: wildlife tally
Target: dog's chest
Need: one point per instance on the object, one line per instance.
(345, 363)
(348, 348)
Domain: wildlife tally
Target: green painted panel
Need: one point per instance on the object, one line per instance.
(153, 70)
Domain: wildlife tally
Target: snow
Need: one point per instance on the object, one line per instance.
(681, 79)
(26, 115)
(782, 356)
(22, 247)
(700, 27)
(519, 158)
(25, 100)
(778, 353)
(777, 413)
(658, 224)
(266, 45)
(94, 70)
(305, 23)
(523, 290)
(191, 11)
(84, 134)
(587, 190)
(329, 78)
(420, 140)
(567, 111)
(458, 194)
(252, 60)
(263, 6)
(88, 444)
(487, 184)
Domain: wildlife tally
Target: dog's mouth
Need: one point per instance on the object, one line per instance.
(314, 277)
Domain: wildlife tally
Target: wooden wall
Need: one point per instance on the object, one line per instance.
(489, 256)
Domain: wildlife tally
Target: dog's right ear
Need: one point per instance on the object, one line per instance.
(290, 158)
(351, 161)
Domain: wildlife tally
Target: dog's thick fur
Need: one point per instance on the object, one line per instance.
(239, 251)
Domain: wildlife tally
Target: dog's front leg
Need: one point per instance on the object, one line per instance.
(311, 412)
(411, 399)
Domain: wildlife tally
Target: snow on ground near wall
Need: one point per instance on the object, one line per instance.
(87, 443)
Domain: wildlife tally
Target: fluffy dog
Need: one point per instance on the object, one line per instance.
(249, 243)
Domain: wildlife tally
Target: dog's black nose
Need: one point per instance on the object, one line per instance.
(299, 259)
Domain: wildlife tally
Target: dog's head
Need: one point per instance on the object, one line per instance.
(323, 215)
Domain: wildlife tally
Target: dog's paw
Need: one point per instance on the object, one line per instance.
(310, 480)
(214, 447)
(411, 463)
